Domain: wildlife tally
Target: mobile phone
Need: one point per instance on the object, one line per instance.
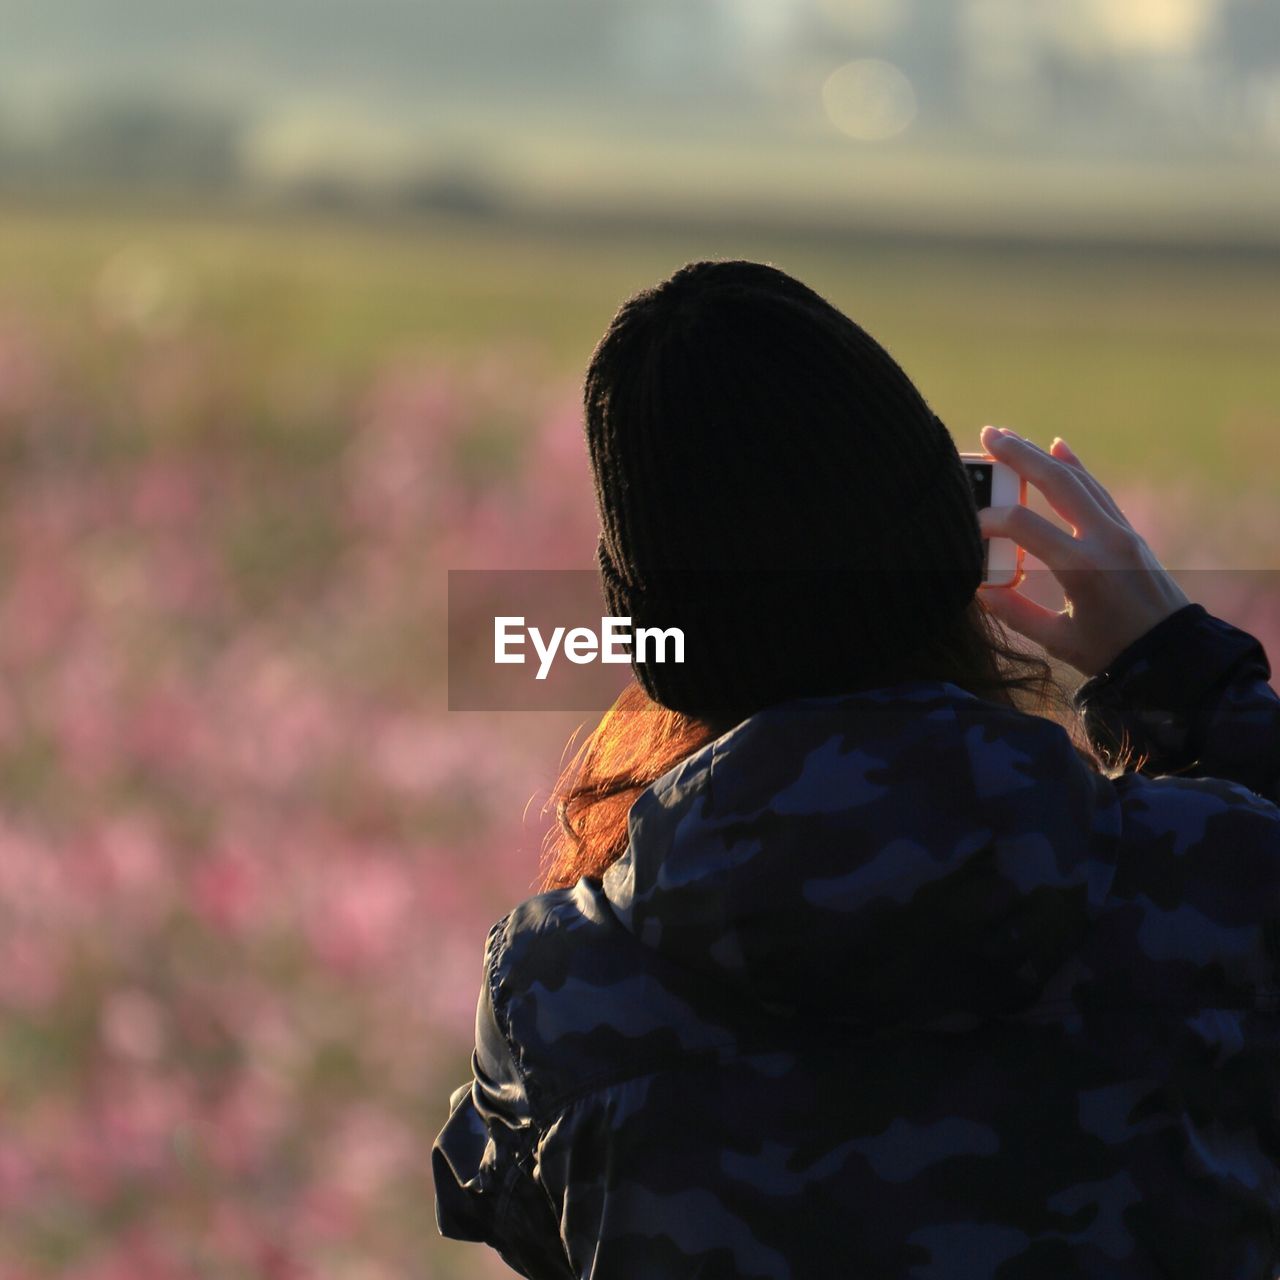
(996, 484)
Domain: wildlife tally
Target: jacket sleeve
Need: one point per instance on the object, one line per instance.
(1191, 697)
(1192, 908)
(482, 1161)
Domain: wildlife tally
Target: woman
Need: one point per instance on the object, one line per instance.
(852, 960)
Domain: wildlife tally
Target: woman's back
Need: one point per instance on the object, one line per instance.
(894, 984)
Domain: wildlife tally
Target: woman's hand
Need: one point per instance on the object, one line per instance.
(1115, 588)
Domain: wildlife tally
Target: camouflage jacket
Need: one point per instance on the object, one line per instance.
(894, 984)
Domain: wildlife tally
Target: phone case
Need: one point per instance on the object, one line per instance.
(1019, 570)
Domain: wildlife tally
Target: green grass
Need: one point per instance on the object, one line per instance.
(1154, 364)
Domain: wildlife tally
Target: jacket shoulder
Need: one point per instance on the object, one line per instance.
(1191, 916)
(585, 1003)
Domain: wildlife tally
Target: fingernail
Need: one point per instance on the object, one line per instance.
(1008, 431)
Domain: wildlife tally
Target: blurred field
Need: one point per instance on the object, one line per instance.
(1156, 363)
(247, 860)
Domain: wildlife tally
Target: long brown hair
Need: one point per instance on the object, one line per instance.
(638, 741)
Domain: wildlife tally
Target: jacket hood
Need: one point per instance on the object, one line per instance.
(909, 854)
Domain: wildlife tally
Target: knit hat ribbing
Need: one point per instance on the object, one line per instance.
(770, 482)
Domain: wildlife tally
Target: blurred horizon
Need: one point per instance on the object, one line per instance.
(1057, 119)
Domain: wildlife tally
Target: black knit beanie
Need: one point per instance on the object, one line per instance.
(770, 482)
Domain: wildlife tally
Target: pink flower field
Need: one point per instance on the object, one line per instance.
(247, 857)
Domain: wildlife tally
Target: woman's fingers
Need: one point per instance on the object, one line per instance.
(1059, 481)
(1061, 449)
(1041, 626)
(1054, 546)
(1105, 610)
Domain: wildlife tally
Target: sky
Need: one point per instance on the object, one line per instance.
(375, 89)
(409, 54)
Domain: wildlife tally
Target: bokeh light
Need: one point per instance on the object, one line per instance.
(869, 99)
